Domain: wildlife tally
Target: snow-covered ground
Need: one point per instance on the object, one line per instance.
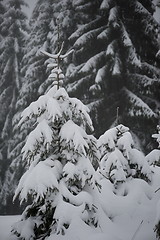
(127, 228)
(5, 225)
(132, 216)
(132, 219)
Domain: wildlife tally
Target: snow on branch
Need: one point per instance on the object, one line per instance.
(105, 4)
(104, 34)
(54, 56)
(140, 8)
(155, 71)
(41, 134)
(100, 74)
(113, 18)
(80, 198)
(157, 136)
(138, 107)
(53, 109)
(81, 110)
(153, 158)
(111, 49)
(35, 108)
(75, 136)
(133, 57)
(84, 28)
(83, 39)
(92, 62)
(39, 180)
(125, 37)
(117, 66)
(45, 103)
(74, 86)
(158, 54)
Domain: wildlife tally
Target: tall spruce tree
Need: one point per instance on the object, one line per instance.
(61, 178)
(13, 31)
(13, 27)
(46, 21)
(33, 64)
(2, 10)
(63, 23)
(122, 69)
(34, 82)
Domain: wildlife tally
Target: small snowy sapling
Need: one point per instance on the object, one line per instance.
(119, 159)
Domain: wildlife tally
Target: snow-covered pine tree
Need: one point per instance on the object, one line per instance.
(60, 154)
(0, 169)
(122, 69)
(2, 10)
(153, 158)
(126, 181)
(46, 18)
(13, 31)
(119, 159)
(33, 73)
(62, 24)
(43, 34)
(33, 63)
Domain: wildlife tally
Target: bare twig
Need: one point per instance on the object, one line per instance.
(134, 235)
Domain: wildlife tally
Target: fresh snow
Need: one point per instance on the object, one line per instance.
(153, 157)
(73, 133)
(5, 225)
(133, 216)
(38, 180)
(105, 4)
(124, 210)
(92, 62)
(139, 108)
(128, 212)
(87, 36)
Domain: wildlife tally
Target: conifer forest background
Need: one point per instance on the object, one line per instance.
(114, 69)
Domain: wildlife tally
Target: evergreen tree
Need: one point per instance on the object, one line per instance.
(0, 169)
(43, 35)
(33, 64)
(60, 154)
(119, 159)
(50, 23)
(122, 69)
(2, 10)
(128, 183)
(13, 31)
(13, 28)
(153, 158)
(63, 23)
